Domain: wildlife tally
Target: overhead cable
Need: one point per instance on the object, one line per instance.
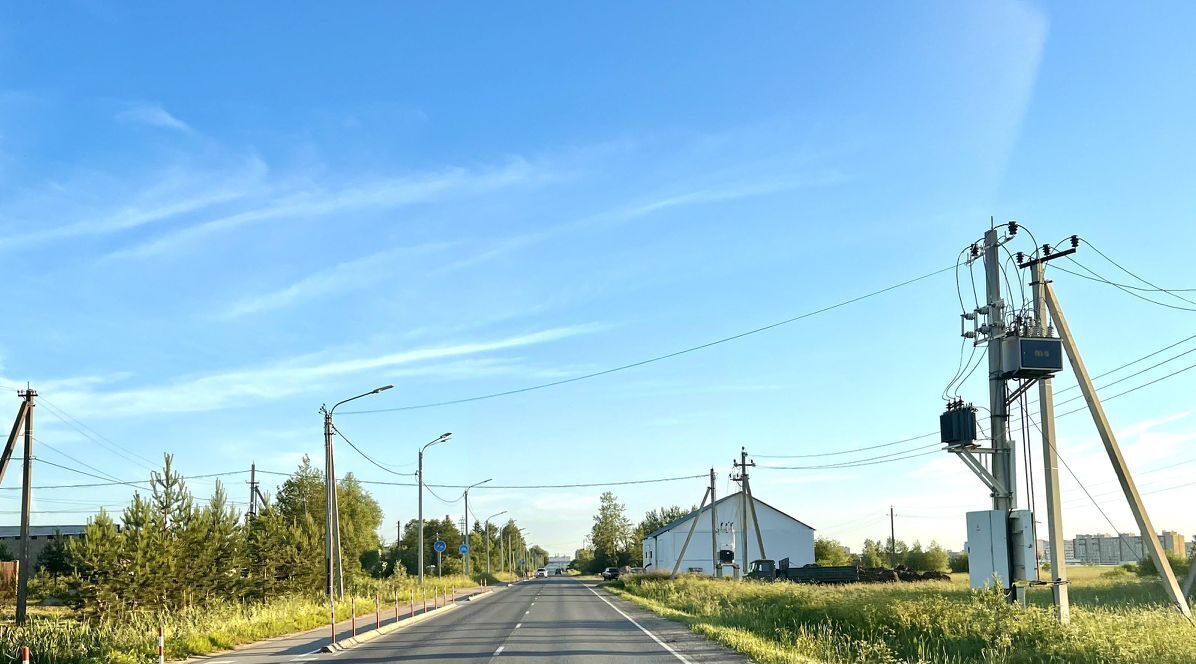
(658, 358)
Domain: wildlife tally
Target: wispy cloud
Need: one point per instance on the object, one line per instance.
(378, 193)
(239, 387)
(169, 195)
(348, 275)
(730, 192)
(153, 115)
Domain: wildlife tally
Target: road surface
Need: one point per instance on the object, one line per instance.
(543, 621)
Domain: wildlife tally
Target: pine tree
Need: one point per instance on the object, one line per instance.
(96, 559)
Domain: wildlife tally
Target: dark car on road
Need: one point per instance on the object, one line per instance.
(610, 573)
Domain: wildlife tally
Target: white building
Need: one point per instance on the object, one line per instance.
(783, 535)
(557, 562)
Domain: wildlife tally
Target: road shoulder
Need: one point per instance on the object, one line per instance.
(673, 632)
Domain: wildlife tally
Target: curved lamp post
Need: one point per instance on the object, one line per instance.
(443, 437)
(332, 525)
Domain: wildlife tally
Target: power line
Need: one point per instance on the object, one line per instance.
(71, 458)
(133, 483)
(97, 438)
(658, 358)
(857, 449)
(862, 462)
(1100, 278)
(367, 457)
(1170, 292)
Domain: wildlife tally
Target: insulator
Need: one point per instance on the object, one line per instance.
(1075, 241)
(1013, 228)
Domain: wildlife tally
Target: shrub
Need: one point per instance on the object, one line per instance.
(959, 563)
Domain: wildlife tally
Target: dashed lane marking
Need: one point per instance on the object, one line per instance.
(499, 651)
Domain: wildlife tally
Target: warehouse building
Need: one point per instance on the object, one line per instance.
(1117, 549)
(39, 537)
(783, 535)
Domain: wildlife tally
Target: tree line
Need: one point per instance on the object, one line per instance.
(169, 551)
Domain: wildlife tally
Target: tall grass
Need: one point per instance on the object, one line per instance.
(63, 638)
(1114, 619)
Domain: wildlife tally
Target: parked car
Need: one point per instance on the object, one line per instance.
(637, 570)
(559, 571)
(610, 573)
(541, 573)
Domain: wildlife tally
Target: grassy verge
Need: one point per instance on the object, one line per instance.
(60, 637)
(1115, 618)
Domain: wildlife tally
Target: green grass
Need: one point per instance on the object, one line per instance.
(60, 637)
(1116, 617)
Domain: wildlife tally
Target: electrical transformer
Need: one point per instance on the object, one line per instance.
(957, 425)
(1031, 357)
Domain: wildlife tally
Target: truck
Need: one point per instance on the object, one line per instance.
(767, 570)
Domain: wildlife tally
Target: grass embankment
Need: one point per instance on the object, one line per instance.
(61, 637)
(1116, 617)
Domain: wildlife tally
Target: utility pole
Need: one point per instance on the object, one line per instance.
(420, 472)
(252, 490)
(26, 565)
(892, 539)
(1004, 496)
(1150, 540)
(329, 537)
(1050, 455)
(718, 569)
(747, 505)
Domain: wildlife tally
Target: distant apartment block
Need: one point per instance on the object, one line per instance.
(1116, 549)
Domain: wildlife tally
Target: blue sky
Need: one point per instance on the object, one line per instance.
(216, 218)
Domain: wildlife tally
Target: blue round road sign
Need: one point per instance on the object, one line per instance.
(439, 546)
(464, 549)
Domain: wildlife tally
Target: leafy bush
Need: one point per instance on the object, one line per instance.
(959, 563)
(1179, 565)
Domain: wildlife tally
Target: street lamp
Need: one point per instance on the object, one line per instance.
(443, 437)
(487, 531)
(332, 521)
(468, 553)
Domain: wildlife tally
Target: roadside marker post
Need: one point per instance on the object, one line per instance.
(377, 611)
(353, 615)
(24, 655)
(161, 645)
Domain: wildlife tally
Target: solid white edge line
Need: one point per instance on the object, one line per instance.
(652, 636)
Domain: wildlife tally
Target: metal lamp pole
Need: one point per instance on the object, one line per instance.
(468, 552)
(443, 437)
(487, 530)
(332, 527)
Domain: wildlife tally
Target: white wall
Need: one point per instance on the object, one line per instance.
(783, 538)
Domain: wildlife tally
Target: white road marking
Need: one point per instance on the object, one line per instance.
(499, 651)
(652, 636)
(527, 612)
(304, 658)
(518, 625)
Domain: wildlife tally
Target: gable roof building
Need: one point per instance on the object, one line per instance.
(784, 537)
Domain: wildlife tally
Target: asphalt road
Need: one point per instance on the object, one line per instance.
(558, 619)
(543, 621)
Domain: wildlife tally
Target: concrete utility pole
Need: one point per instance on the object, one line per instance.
(744, 508)
(468, 551)
(26, 565)
(486, 528)
(334, 568)
(1050, 456)
(1005, 495)
(420, 472)
(718, 569)
(1150, 540)
(892, 538)
(252, 489)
